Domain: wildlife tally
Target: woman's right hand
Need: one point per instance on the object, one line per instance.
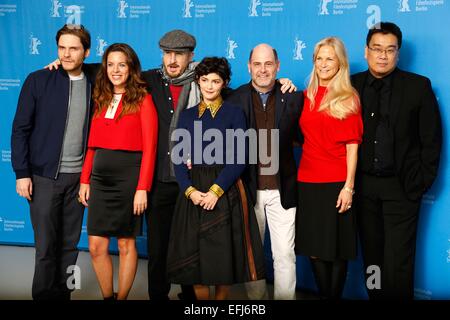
(83, 194)
(196, 197)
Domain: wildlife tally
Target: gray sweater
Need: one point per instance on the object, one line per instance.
(72, 155)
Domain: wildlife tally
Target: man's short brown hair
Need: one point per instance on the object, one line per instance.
(77, 30)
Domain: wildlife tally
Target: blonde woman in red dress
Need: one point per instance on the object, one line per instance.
(332, 128)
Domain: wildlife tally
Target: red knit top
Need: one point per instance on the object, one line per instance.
(324, 149)
(175, 91)
(132, 132)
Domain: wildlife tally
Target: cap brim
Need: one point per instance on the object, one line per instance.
(185, 49)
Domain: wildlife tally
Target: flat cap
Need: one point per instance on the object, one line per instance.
(177, 40)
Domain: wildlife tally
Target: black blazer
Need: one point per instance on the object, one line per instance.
(288, 107)
(416, 122)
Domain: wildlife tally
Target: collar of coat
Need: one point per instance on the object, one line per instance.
(213, 107)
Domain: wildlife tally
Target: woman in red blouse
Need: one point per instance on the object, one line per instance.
(332, 128)
(118, 168)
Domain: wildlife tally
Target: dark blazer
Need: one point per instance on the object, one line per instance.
(288, 107)
(416, 122)
(40, 122)
(162, 97)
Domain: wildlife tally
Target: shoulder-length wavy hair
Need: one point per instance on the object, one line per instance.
(341, 99)
(135, 88)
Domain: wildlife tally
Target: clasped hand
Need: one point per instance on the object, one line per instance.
(206, 200)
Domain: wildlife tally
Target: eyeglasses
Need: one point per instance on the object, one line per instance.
(379, 52)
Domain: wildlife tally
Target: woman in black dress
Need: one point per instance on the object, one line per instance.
(118, 169)
(214, 239)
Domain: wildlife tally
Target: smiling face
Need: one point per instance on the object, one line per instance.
(71, 53)
(263, 68)
(117, 70)
(175, 63)
(382, 54)
(326, 64)
(211, 85)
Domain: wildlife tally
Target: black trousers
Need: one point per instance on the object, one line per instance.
(159, 219)
(387, 222)
(56, 216)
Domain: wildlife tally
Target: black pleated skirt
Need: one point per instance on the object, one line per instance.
(321, 231)
(114, 179)
(218, 247)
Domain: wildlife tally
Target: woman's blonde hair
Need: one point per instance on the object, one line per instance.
(341, 99)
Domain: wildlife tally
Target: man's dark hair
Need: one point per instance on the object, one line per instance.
(214, 65)
(275, 54)
(385, 28)
(77, 30)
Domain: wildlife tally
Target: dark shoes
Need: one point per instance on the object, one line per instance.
(111, 298)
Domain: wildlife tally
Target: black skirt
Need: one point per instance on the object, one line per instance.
(321, 231)
(114, 179)
(218, 247)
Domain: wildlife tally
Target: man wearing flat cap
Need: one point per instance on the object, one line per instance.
(178, 41)
(173, 89)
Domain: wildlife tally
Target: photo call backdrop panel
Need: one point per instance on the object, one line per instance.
(230, 28)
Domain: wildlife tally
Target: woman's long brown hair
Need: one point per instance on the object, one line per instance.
(135, 88)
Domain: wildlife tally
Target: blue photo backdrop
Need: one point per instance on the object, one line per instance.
(231, 28)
